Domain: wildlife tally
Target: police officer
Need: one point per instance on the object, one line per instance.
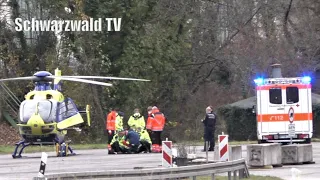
(209, 128)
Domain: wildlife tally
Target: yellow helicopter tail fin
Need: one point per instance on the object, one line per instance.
(56, 82)
(88, 115)
(71, 121)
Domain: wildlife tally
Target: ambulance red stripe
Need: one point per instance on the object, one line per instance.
(283, 117)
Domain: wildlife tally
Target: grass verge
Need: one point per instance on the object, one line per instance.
(5, 149)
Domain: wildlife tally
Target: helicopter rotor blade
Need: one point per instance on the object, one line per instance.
(20, 78)
(79, 80)
(104, 77)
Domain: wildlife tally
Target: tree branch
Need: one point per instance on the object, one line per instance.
(238, 30)
(285, 24)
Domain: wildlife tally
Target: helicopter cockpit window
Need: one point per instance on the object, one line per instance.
(66, 109)
(46, 110)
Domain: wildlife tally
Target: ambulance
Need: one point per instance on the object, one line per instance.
(284, 103)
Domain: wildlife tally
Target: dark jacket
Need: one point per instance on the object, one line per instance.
(133, 137)
(210, 120)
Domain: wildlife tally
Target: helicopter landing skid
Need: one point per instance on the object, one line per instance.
(24, 144)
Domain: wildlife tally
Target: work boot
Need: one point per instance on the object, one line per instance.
(155, 148)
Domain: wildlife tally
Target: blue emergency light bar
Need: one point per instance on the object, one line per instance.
(306, 79)
(259, 81)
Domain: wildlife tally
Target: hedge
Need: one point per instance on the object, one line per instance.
(241, 124)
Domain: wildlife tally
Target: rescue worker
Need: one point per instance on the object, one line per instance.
(157, 124)
(209, 128)
(111, 125)
(149, 121)
(136, 120)
(132, 140)
(118, 143)
(144, 140)
(119, 121)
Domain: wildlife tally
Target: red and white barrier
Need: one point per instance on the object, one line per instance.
(166, 153)
(223, 148)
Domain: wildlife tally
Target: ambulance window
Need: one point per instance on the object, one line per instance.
(275, 96)
(292, 95)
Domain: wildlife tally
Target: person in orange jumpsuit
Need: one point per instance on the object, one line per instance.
(111, 125)
(149, 122)
(157, 124)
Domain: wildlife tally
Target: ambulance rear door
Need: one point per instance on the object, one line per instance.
(293, 106)
(275, 117)
(297, 107)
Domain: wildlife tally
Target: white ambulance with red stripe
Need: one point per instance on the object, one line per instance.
(280, 102)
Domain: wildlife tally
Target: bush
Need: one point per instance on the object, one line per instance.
(316, 121)
(240, 123)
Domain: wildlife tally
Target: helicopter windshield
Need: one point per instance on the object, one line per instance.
(46, 109)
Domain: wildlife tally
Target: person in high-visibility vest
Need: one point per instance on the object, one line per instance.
(144, 140)
(119, 121)
(136, 120)
(111, 125)
(119, 143)
(157, 125)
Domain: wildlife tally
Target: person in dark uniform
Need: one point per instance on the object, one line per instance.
(209, 128)
(133, 139)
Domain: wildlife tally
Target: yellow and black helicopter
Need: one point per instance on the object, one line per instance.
(46, 115)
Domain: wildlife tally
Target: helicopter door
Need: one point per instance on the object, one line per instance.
(68, 114)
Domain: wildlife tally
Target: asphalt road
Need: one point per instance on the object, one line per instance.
(98, 160)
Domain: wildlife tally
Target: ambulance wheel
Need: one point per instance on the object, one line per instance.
(261, 141)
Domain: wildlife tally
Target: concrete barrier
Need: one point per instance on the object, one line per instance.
(297, 154)
(235, 153)
(260, 155)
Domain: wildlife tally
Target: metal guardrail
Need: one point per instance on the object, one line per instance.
(236, 167)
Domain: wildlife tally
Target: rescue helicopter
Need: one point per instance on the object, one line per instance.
(46, 114)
